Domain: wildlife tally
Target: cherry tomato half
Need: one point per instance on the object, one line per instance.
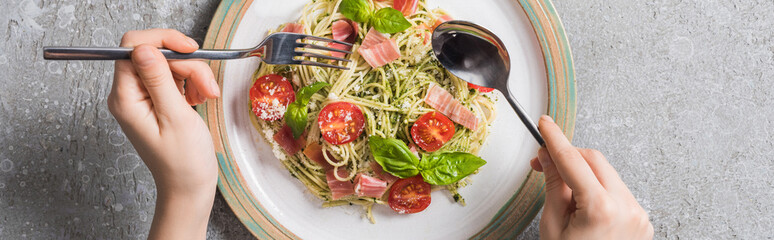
(340, 122)
(432, 130)
(480, 88)
(270, 96)
(409, 195)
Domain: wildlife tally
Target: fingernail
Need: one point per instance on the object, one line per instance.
(544, 158)
(193, 43)
(214, 88)
(202, 98)
(143, 56)
(547, 118)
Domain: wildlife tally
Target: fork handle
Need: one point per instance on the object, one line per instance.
(120, 53)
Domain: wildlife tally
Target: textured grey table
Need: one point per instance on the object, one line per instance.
(677, 94)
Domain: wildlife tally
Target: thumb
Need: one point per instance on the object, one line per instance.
(558, 198)
(157, 79)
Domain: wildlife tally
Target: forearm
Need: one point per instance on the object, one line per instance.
(181, 216)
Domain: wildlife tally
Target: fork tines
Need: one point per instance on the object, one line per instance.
(315, 55)
(318, 47)
(318, 64)
(321, 56)
(316, 38)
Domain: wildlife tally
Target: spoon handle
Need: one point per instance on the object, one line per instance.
(524, 118)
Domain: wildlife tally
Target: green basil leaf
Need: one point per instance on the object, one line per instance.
(305, 93)
(295, 118)
(389, 20)
(394, 156)
(356, 10)
(448, 167)
(296, 114)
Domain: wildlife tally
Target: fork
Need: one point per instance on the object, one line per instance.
(277, 48)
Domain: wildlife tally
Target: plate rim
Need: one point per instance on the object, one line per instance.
(508, 222)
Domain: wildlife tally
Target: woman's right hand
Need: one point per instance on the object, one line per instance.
(152, 102)
(585, 197)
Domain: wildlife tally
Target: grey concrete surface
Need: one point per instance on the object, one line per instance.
(677, 94)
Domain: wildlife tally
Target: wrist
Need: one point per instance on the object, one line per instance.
(181, 214)
(185, 181)
(187, 185)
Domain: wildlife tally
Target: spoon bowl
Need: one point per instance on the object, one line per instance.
(476, 55)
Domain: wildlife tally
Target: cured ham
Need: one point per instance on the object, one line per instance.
(314, 152)
(381, 174)
(284, 137)
(346, 31)
(338, 188)
(428, 33)
(425, 34)
(373, 38)
(445, 103)
(407, 7)
(441, 19)
(377, 49)
(293, 28)
(367, 186)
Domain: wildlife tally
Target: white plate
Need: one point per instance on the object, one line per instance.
(283, 198)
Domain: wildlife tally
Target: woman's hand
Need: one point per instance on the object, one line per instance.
(152, 102)
(585, 197)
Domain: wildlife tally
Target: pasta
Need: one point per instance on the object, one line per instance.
(390, 98)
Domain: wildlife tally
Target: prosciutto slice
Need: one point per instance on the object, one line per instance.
(314, 152)
(380, 173)
(284, 137)
(367, 186)
(441, 19)
(346, 31)
(377, 49)
(445, 103)
(338, 188)
(293, 28)
(407, 7)
(429, 29)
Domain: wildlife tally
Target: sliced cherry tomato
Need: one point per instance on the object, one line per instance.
(432, 130)
(270, 96)
(340, 122)
(409, 195)
(480, 88)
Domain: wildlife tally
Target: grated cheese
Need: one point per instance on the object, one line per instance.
(271, 111)
(275, 147)
(405, 105)
(277, 150)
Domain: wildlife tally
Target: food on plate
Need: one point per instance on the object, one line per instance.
(388, 131)
(340, 122)
(431, 131)
(270, 96)
(409, 195)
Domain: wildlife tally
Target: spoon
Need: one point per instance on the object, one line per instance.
(476, 55)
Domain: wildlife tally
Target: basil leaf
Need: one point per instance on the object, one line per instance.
(297, 112)
(295, 118)
(305, 93)
(389, 20)
(394, 156)
(448, 167)
(356, 10)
